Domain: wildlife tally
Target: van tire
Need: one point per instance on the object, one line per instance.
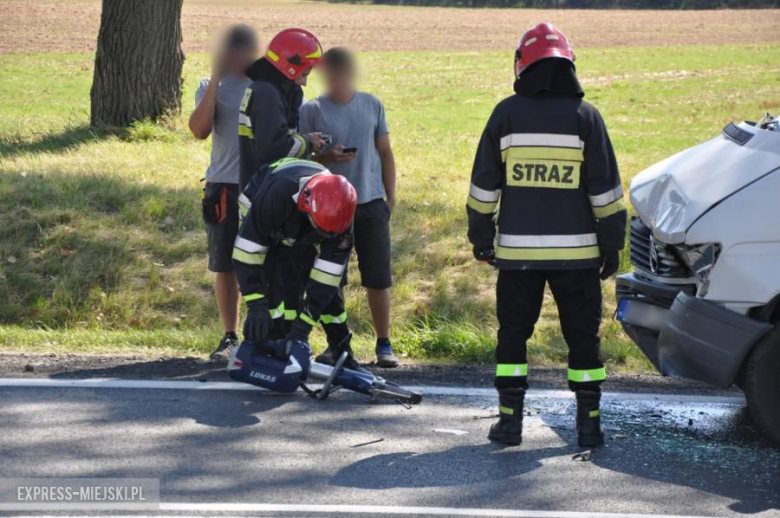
(762, 384)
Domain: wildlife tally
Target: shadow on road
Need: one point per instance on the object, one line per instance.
(186, 368)
(465, 465)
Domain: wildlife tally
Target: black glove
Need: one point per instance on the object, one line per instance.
(299, 331)
(282, 348)
(275, 349)
(611, 263)
(485, 254)
(257, 321)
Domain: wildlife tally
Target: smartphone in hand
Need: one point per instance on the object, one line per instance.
(349, 150)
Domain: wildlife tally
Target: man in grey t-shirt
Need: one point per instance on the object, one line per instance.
(361, 152)
(216, 113)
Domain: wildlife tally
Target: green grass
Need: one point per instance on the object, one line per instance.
(102, 247)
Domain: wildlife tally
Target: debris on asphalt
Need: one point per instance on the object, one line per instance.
(451, 431)
(491, 416)
(583, 456)
(29, 368)
(367, 443)
(403, 404)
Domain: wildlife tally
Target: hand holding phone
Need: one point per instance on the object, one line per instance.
(335, 153)
(345, 154)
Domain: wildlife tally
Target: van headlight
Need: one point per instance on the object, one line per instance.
(699, 258)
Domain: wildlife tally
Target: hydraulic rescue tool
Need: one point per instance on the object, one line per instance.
(285, 365)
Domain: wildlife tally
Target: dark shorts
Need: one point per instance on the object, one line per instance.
(222, 236)
(372, 244)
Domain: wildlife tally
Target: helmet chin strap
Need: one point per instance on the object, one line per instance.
(319, 231)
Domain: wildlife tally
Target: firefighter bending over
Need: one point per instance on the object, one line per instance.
(545, 154)
(295, 202)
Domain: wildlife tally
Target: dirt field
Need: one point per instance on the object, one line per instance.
(72, 25)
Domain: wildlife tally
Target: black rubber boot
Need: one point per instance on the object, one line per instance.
(351, 363)
(325, 357)
(589, 433)
(509, 428)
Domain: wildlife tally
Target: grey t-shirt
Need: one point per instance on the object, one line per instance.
(357, 123)
(224, 166)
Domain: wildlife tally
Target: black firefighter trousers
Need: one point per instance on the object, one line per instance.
(294, 264)
(519, 296)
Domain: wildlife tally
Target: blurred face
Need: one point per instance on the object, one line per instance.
(303, 79)
(340, 82)
(240, 59)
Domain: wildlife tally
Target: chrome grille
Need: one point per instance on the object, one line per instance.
(653, 257)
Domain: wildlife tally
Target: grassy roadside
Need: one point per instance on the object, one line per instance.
(103, 249)
(419, 342)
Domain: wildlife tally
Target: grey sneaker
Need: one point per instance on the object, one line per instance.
(225, 347)
(385, 357)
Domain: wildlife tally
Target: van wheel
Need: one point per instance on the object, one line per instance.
(762, 384)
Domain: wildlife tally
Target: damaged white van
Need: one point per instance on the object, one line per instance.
(703, 301)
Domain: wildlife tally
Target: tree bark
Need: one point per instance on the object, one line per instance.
(138, 62)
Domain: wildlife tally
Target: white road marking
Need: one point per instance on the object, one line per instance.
(124, 384)
(397, 510)
(565, 394)
(195, 508)
(113, 383)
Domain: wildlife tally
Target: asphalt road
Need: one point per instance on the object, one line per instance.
(255, 453)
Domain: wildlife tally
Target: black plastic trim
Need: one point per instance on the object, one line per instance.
(706, 342)
(631, 285)
(737, 134)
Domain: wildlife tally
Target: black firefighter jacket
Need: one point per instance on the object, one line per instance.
(271, 219)
(546, 166)
(268, 121)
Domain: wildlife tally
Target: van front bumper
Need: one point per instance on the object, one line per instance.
(640, 290)
(697, 339)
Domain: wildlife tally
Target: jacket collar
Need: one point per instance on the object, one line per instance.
(262, 70)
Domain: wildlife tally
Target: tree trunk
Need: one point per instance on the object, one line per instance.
(138, 63)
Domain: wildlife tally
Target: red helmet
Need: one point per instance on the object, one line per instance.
(330, 201)
(293, 51)
(542, 42)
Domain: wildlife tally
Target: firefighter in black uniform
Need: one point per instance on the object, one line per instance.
(546, 156)
(268, 114)
(267, 132)
(296, 202)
